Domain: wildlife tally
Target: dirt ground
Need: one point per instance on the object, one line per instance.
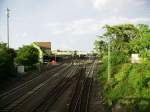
(96, 103)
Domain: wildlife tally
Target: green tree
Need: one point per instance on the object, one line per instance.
(27, 55)
(120, 35)
(100, 47)
(6, 61)
(125, 39)
(126, 80)
(142, 44)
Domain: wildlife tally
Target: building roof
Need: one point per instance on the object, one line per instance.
(46, 45)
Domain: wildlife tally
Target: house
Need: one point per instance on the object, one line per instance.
(44, 49)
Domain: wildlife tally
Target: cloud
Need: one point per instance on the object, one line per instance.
(116, 6)
(77, 27)
(91, 25)
(122, 20)
(83, 26)
(68, 23)
(100, 3)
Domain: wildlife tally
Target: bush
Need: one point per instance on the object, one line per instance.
(118, 57)
(27, 56)
(132, 80)
(127, 79)
(6, 61)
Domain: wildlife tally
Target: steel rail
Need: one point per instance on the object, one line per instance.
(57, 91)
(16, 101)
(81, 97)
(24, 84)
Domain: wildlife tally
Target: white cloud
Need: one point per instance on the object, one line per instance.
(100, 3)
(24, 35)
(91, 26)
(78, 27)
(118, 5)
(83, 26)
(122, 20)
(74, 23)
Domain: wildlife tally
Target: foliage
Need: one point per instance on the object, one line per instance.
(100, 47)
(118, 57)
(12, 53)
(142, 43)
(130, 81)
(27, 55)
(129, 84)
(126, 38)
(6, 61)
(120, 35)
(123, 32)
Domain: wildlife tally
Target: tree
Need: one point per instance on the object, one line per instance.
(143, 28)
(12, 53)
(126, 38)
(142, 44)
(6, 61)
(121, 79)
(100, 47)
(3, 46)
(120, 36)
(27, 55)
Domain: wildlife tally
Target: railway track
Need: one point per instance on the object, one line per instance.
(59, 89)
(41, 93)
(12, 98)
(40, 77)
(81, 96)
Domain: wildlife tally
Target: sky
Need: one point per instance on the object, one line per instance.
(68, 24)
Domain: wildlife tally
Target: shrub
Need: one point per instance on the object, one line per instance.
(118, 57)
(132, 80)
(6, 61)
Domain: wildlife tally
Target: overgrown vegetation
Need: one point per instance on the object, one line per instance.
(27, 56)
(7, 56)
(129, 84)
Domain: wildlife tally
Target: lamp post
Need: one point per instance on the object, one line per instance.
(8, 13)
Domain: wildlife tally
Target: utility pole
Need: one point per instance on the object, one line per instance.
(109, 63)
(8, 12)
